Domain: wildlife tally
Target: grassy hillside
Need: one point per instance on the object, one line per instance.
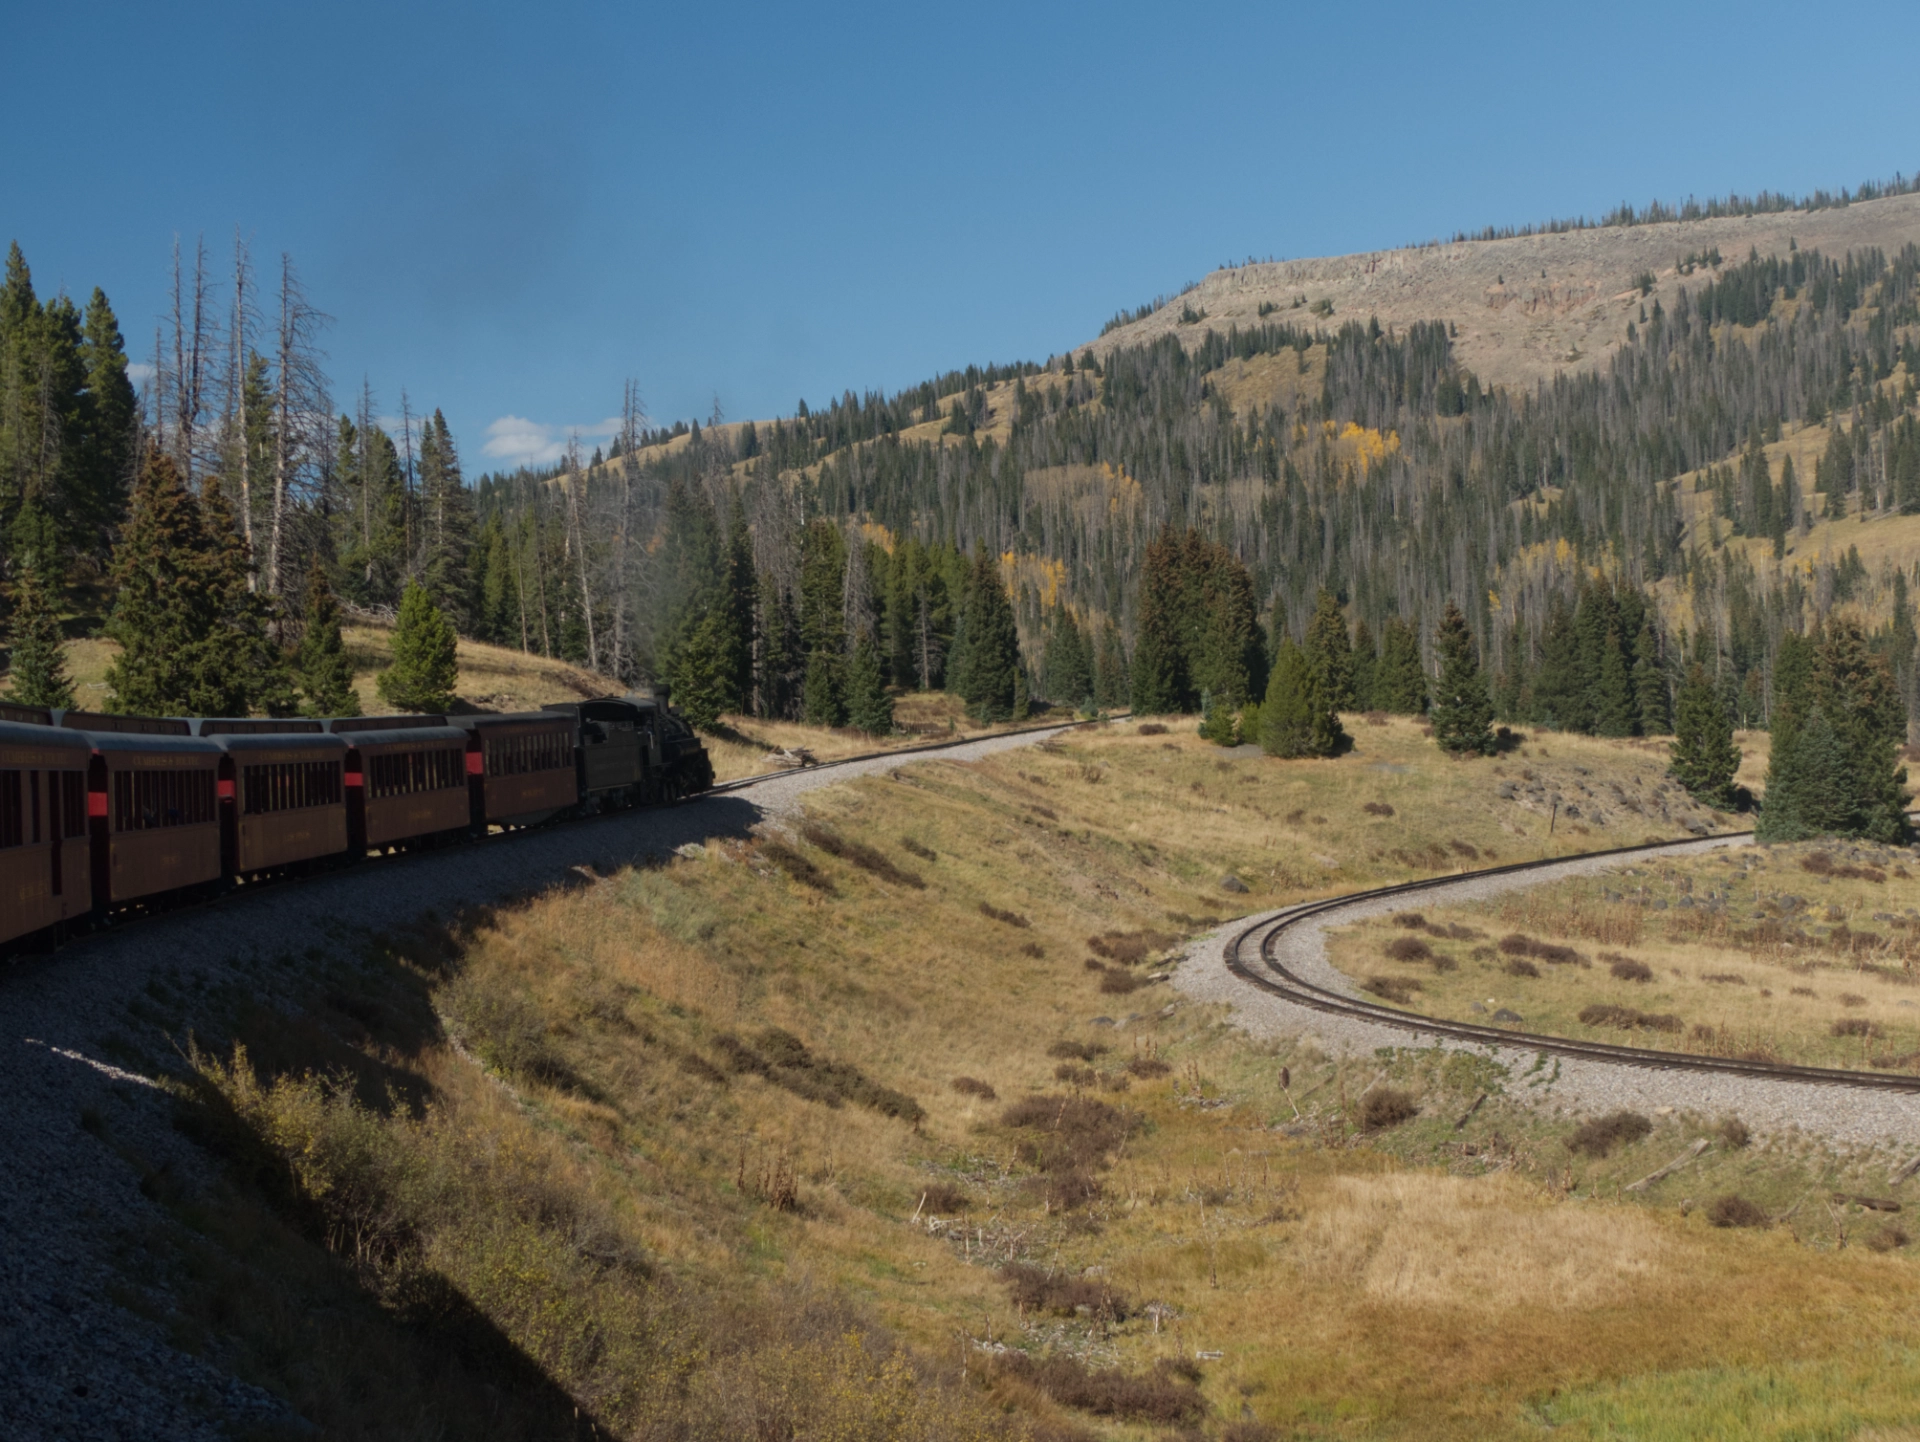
(706, 1142)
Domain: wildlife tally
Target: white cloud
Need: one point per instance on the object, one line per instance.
(139, 372)
(518, 441)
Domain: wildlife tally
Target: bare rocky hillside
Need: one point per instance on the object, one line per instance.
(1525, 307)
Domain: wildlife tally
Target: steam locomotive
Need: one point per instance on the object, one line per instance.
(104, 816)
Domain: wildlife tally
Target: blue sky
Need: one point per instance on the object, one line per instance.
(509, 209)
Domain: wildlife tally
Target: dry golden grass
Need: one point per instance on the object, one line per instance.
(745, 744)
(1751, 953)
(1347, 1291)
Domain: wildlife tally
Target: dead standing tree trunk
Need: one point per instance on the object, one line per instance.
(574, 483)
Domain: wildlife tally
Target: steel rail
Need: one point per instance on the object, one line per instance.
(1273, 977)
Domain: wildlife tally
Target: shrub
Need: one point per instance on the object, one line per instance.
(1855, 1026)
(783, 1059)
(1599, 1136)
(797, 867)
(1735, 1211)
(1724, 978)
(1821, 864)
(1009, 918)
(1397, 989)
(914, 848)
(1160, 1396)
(1628, 1019)
(1517, 966)
(1060, 1295)
(1129, 947)
(1119, 983)
(1151, 728)
(1887, 1238)
(1067, 1133)
(1076, 1050)
(1409, 948)
(1625, 968)
(1734, 1132)
(1387, 1107)
(1074, 1074)
(1034, 949)
(1516, 944)
(1850, 998)
(1377, 808)
(864, 857)
(1147, 1067)
(1412, 920)
(945, 1197)
(972, 1086)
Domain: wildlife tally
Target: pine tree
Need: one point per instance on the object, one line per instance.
(702, 680)
(1296, 718)
(447, 515)
(324, 673)
(37, 674)
(1650, 683)
(1158, 683)
(824, 692)
(1616, 709)
(1331, 652)
(1462, 712)
(1559, 699)
(1111, 671)
(1366, 665)
(989, 652)
(425, 666)
(1401, 686)
(192, 636)
(1870, 723)
(1216, 721)
(1704, 758)
(869, 707)
(1808, 786)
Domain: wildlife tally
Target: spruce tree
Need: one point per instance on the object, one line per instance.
(425, 666)
(1216, 721)
(1296, 718)
(193, 638)
(703, 687)
(990, 647)
(447, 516)
(37, 670)
(1870, 722)
(1704, 758)
(1111, 671)
(1650, 683)
(1158, 683)
(1808, 783)
(1559, 699)
(1462, 712)
(1616, 708)
(1366, 663)
(325, 674)
(869, 707)
(1331, 652)
(824, 692)
(1401, 686)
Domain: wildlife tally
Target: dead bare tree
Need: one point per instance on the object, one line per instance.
(238, 442)
(181, 384)
(573, 483)
(301, 408)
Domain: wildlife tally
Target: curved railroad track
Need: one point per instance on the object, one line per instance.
(1251, 956)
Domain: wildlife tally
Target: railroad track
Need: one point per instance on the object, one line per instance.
(1250, 955)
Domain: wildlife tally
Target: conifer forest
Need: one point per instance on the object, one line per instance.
(1111, 527)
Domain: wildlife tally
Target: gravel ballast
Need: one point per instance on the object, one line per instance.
(74, 1363)
(1849, 1116)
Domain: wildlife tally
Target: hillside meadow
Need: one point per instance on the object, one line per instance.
(881, 1124)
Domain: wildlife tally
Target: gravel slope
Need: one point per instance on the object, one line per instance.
(72, 1363)
(1841, 1114)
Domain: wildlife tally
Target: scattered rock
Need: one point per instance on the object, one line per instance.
(1233, 884)
(1476, 1008)
(692, 851)
(1504, 1014)
(1109, 1021)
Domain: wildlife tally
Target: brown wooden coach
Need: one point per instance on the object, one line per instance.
(521, 766)
(406, 779)
(44, 879)
(152, 806)
(282, 796)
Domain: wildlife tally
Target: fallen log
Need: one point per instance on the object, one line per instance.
(1671, 1167)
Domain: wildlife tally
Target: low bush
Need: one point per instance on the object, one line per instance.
(1397, 989)
(972, 1086)
(1061, 1295)
(1625, 968)
(1067, 1133)
(1408, 948)
(1516, 944)
(1387, 1107)
(797, 867)
(945, 1199)
(1129, 947)
(1147, 1067)
(1071, 1050)
(1600, 1135)
(1120, 983)
(1734, 1132)
(1519, 966)
(1852, 998)
(1033, 949)
(1724, 978)
(1161, 1396)
(1626, 1018)
(1377, 808)
(1151, 728)
(1735, 1211)
(1887, 1239)
(1412, 920)
(783, 1059)
(1855, 1026)
(1821, 864)
(1009, 918)
(914, 848)
(1074, 1074)
(864, 857)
